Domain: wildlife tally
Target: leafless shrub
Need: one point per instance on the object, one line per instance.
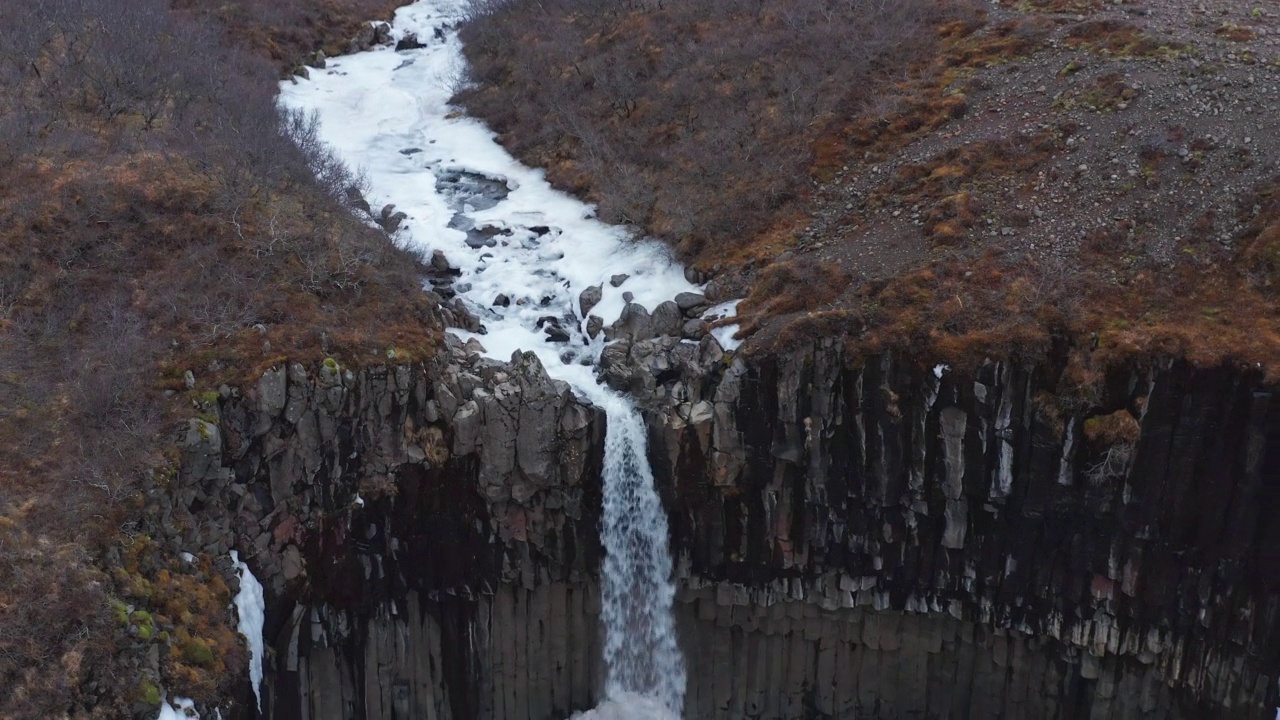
(1114, 465)
(693, 120)
(332, 175)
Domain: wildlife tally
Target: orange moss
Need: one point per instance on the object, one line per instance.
(790, 287)
(1236, 33)
(1118, 427)
(1054, 6)
(1118, 37)
(1107, 92)
(185, 609)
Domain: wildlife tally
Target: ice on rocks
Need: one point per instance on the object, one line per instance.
(181, 709)
(251, 608)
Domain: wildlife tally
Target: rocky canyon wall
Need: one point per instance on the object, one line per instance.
(853, 539)
(1139, 563)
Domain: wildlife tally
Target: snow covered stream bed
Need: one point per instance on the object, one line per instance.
(387, 114)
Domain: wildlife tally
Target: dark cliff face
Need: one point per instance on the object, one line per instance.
(973, 496)
(864, 538)
(391, 494)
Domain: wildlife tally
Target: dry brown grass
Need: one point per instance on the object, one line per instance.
(150, 223)
(1259, 253)
(1236, 33)
(1117, 427)
(795, 286)
(1118, 38)
(947, 185)
(964, 309)
(693, 121)
(287, 32)
(1211, 308)
(935, 94)
(1075, 7)
(1107, 92)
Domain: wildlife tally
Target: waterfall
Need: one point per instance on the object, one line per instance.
(509, 234)
(641, 655)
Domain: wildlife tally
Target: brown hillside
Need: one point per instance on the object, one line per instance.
(157, 217)
(991, 181)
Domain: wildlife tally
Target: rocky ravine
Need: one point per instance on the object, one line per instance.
(869, 538)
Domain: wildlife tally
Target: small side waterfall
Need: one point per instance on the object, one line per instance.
(641, 654)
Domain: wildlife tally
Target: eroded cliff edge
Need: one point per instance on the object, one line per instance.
(854, 536)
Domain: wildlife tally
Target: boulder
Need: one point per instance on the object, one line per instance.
(356, 199)
(390, 219)
(692, 304)
(550, 324)
(362, 40)
(695, 329)
(614, 367)
(634, 323)
(590, 298)
(456, 314)
(440, 263)
(409, 42)
(667, 319)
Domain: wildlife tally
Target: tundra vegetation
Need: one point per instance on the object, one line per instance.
(158, 215)
(737, 130)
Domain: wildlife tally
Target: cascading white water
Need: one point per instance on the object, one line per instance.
(641, 654)
(511, 236)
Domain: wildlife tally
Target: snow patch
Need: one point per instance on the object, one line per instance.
(725, 336)
(251, 607)
(181, 709)
(725, 333)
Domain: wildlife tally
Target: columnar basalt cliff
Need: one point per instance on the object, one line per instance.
(854, 537)
(400, 500)
(1013, 558)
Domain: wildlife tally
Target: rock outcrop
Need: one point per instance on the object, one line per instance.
(357, 494)
(854, 537)
(1140, 570)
